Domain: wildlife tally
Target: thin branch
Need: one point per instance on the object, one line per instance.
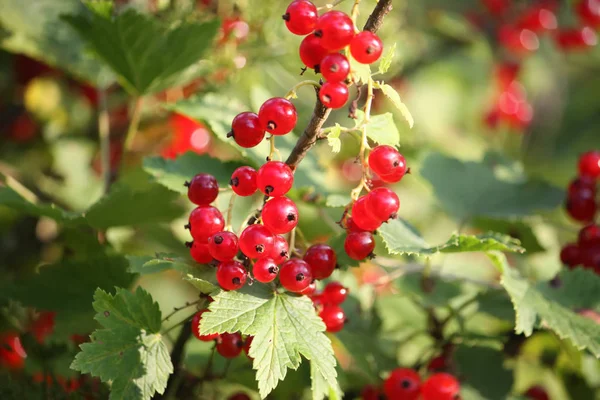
(376, 18)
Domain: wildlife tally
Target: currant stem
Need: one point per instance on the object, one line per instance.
(292, 241)
(230, 211)
(134, 124)
(104, 136)
(177, 309)
(354, 14)
(291, 94)
(331, 5)
(273, 149)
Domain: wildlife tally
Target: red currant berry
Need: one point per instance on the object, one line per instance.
(589, 164)
(403, 383)
(362, 217)
(371, 392)
(275, 178)
(440, 386)
(537, 393)
(205, 221)
(231, 275)
(246, 130)
(243, 181)
(335, 29)
(196, 320)
(311, 52)
(335, 293)
(359, 245)
(382, 204)
(43, 326)
(582, 209)
(295, 275)
(335, 67)
(352, 227)
(203, 189)
(265, 270)
(589, 236)
(256, 241)
(583, 186)
(437, 364)
(239, 396)
(247, 344)
(230, 345)
(570, 255)
(12, 354)
(310, 289)
(590, 257)
(333, 94)
(322, 260)
(589, 12)
(199, 252)
(576, 39)
(538, 18)
(366, 47)
(280, 215)
(388, 163)
(278, 116)
(301, 17)
(223, 246)
(334, 318)
(280, 251)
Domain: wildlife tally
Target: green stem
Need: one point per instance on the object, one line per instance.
(134, 124)
(292, 92)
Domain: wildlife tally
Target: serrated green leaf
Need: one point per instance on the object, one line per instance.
(333, 138)
(540, 305)
(11, 199)
(174, 173)
(32, 27)
(386, 60)
(285, 327)
(518, 229)
(483, 370)
(360, 73)
(129, 351)
(472, 189)
(394, 97)
(337, 200)
(380, 128)
(146, 54)
(401, 238)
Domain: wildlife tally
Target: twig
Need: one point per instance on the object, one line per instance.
(376, 18)
(177, 309)
(134, 124)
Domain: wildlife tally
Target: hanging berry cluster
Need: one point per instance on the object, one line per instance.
(582, 206)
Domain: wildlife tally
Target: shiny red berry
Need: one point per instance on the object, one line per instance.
(388, 163)
(366, 47)
(333, 316)
(12, 354)
(576, 39)
(322, 260)
(246, 130)
(359, 245)
(301, 17)
(247, 344)
(589, 236)
(202, 189)
(570, 255)
(589, 164)
(230, 345)
(312, 53)
(362, 217)
(280, 215)
(589, 12)
(205, 221)
(231, 275)
(333, 94)
(310, 289)
(335, 293)
(199, 252)
(583, 186)
(538, 18)
(352, 227)
(256, 241)
(223, 245)
(537, 393)
(295, 275)
(403, 383)
(382, 204)
(581, 208)
(277, 116)
(265, 270)
(335, 29)
(43, 325)
(280, 251)
(275, 178)
(243, 181)
(437, 364)
(440, 386)
(196, 320)
(335, 67)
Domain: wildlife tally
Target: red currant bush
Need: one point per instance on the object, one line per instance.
(277, 116)
(256, 241)
(335, 30)
(359, 245)
(440, 386)
(199, 252)
(243, 181)
(333, 94)
(280, 215)
(196, 320)
(246, 130)
(366, 47)
(312, 52)
(265, 270)
(403, 383)
(295, 275)
(275, 178)
(223, 246)
(230, 345)
(301, 17)
(334, 318)
(322, 260)
(335, 67)
(203, 189)
(205, 221)
(231, 275)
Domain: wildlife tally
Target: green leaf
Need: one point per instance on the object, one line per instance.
(471, 189)
(129, 351)
(360, 73)
(174, 173)
(337, 200)
(11, 199)
(541, 305)
(33, 27)
(483, 370)
(285, 327)
(333, 138)
(394, 97)
(380, 128)
(124, 206)
(147, 55)
(518, 229)
(386, 61)
(401, 238)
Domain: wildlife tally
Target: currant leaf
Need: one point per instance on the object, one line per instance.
(285, 327)
(381, 128)
(337, 200)
(484, 371)
(360, 73)
(128, 351)
(333, 138)
(386, 61)
(394, 97)
(12, 199)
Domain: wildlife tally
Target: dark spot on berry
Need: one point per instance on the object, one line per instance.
(370, 49)
(187, 226)
(319, 33)
(283, 253)
(300, 277)
(286, 16)
(327, 99)
(186, 184)
(317, 68)
(236, 281)
(273, 270)
(269, 189)
(396, 163)
(394, 216)
(230, 134)
(234, 181)
(7, 347)
(271, 125)
(189, 244)
(107, 314)
(218, 239)
(259, 248)
(291, 217)
(405, 383)
(334, 68)
(239, 344)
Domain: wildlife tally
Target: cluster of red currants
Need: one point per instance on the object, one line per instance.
(510, 104)
(405, 384)
(377, 206)
(327, 303)
(582, 206)
(320, 49)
